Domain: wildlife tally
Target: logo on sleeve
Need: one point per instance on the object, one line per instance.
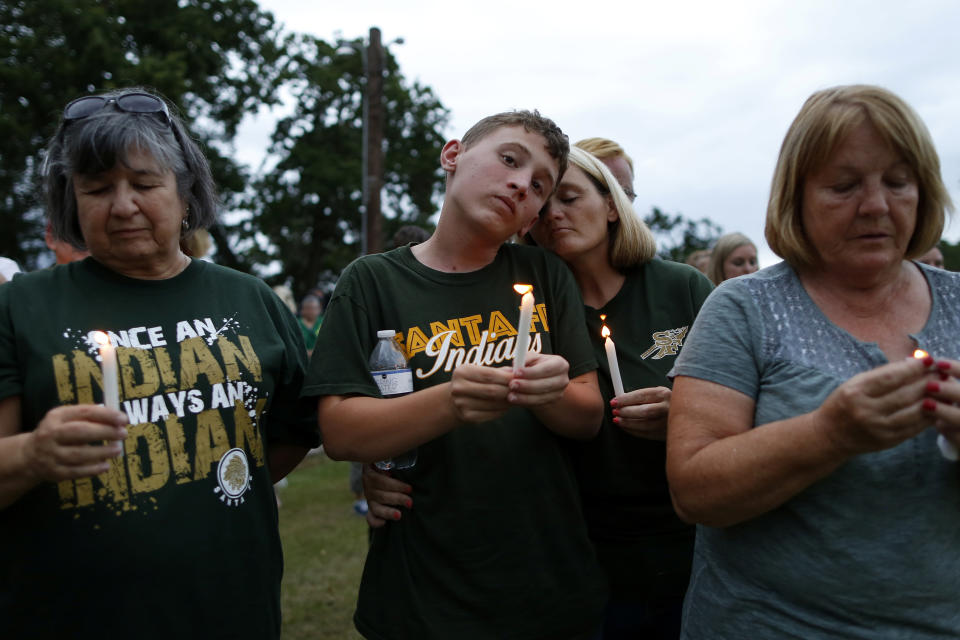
(233, 476)
(665, 343)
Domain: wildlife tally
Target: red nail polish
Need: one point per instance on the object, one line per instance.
(396, 515)
(613, 402)
(929, 404)
(943, 365)
(928, 361)
(408, 503)
(944, 376)
(933, 387)
(616, 412)
(616, 421)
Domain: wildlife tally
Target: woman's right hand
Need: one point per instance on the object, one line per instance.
(381, 491)
(877, 409)
(60, 447)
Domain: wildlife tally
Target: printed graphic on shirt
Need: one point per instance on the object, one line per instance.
(473, 339)
(665, 343)
(190, 419)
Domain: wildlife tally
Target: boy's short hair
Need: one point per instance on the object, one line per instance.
(558, 146)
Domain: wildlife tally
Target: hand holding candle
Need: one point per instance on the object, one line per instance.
(523, 325)
(947, 449)
(611, 350)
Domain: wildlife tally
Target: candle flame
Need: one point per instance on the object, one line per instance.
(603, 317)
(101, 338)
(920, 354)
(605, 332)
(523, 288)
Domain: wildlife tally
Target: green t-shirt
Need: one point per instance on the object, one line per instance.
(495, 545)
(310, 333)
(644, 547)
(179, 538)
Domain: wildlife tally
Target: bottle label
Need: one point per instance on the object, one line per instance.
(394, 382)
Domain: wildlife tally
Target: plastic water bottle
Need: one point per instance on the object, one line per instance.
(390, 371)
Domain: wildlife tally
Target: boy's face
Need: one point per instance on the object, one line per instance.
(501, 181)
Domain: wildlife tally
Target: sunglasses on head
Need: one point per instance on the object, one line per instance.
(133, 102)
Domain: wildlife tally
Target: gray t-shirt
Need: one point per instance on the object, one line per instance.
(871, 551)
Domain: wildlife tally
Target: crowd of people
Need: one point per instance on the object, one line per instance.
(656, 450)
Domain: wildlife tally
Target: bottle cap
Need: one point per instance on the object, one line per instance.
(386, 333)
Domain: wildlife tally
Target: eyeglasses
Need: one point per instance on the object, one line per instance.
(133, 102)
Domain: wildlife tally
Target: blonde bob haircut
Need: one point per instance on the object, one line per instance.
(726, 244)
(631, 241)
(604, 148)
(826, 118)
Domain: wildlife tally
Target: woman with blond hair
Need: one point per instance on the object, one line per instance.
(648, 304)
(733, 255)
(803, 435)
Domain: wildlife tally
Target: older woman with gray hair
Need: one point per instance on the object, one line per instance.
(803, 433)
(152, 515)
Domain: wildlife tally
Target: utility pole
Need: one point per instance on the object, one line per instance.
(375, 120)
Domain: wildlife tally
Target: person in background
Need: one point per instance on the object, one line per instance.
(615, 158)
(286, 296)
(310, 321)
(63, 252)
(733, 255)
(699, 260)
(409, 233)
(8, 268)
(933, 257)
(803, 434)
(158, 511)
(197, 244)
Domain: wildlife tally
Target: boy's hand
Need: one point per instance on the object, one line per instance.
(480, 393)
(542, 381)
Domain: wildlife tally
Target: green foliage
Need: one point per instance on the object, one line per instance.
(309, 207)
(215, 59)
(677, 236)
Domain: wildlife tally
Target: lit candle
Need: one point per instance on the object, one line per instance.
(947, 449)
(108, 370)
(523, 325)
(611, 350)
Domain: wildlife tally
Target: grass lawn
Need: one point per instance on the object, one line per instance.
(324, 545)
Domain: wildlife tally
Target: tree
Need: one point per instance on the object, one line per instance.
(307, 210)
(677, 236)
(215, 59)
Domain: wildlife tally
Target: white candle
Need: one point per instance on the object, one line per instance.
(947, 449)
(108, 370)
(611, 350)
(523, 325)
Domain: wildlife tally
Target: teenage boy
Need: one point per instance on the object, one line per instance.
(495, 546)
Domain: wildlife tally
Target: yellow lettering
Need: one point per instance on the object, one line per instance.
(231, 354)
(471, 322)
(178, 449)
(416, 340)
(149, 381)
(165, 366)
(248, 436)
(196, 360)
(113, 484)
(86, 369)
(540, 315)
(68, 494)
(84, 491)
(454, 326)
(211, 442)
(61, 372)
(500, 326)
(152, 472)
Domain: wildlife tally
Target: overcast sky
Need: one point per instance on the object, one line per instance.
(699, 93)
